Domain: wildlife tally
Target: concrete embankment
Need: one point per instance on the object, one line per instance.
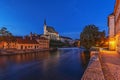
(14, 52)
(94, 69)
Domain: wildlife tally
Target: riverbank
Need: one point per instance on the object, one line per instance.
(94, 69)
(5, 52)
(103, 66)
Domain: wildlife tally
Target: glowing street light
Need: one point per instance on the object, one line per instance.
(112, 44)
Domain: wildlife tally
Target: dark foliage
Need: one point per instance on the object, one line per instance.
(91, 36)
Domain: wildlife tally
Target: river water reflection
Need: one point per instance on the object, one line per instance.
(64, 64)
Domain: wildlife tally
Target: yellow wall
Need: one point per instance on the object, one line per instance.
(114, 25)
(43, 43)
(27, 46)
(112, 44)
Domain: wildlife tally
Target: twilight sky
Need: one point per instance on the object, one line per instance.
(68, 17)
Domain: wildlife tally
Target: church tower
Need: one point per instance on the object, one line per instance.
(45, 26)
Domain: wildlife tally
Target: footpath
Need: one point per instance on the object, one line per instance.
(103, 66)
(110, 61)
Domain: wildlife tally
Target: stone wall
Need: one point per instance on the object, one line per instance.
(94, 69)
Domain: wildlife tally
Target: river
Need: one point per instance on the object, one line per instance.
(63, 64)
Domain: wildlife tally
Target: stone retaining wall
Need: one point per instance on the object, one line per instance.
(94, 69)
(14, 52)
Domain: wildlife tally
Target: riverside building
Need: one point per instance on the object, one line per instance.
(114, 28)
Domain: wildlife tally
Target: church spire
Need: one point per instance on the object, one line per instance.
(44, 21)
(45, 26)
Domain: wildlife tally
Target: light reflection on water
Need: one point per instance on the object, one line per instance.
(64, 64)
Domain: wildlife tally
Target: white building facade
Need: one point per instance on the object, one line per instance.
(50, 33)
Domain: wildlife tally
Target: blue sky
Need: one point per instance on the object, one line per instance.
(68, 17)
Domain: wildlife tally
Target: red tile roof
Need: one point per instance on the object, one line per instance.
(26, 41)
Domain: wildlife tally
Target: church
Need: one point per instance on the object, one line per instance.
(50, 33)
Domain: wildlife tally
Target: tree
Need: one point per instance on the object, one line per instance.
(6, 36)
(58, 43)
(5, 32)
(91, 36)
(101, 38)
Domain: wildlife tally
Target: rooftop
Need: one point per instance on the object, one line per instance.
(66, 37)
(26, 41)
(51, 29)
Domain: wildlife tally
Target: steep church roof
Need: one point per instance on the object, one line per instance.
(50, 29)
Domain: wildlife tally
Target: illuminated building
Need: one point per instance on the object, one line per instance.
(114, 28)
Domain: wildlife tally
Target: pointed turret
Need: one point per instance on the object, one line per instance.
(31, 35)
(45, 25)
(44, 21)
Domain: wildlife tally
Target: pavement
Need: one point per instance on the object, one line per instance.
(110, 62)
